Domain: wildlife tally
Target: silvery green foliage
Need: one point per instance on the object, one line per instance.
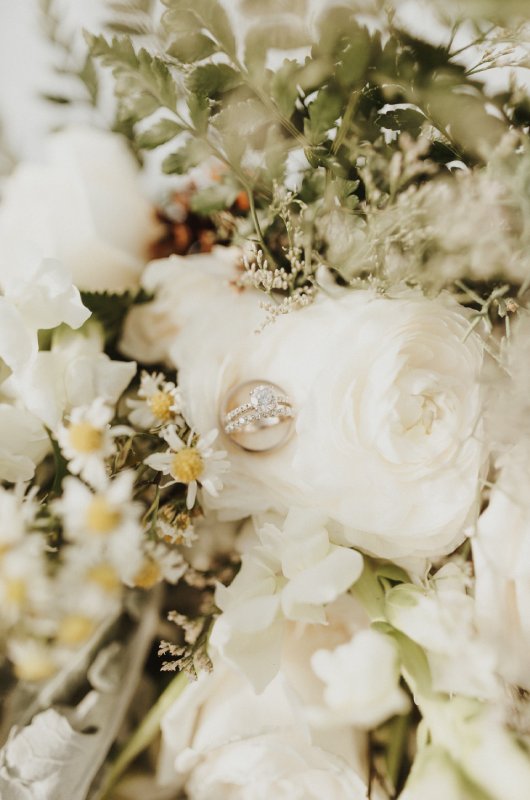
(59, 753)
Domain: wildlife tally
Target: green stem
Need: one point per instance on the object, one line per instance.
(143, 735)
(474, 43)
(397, 748)
(345, 122)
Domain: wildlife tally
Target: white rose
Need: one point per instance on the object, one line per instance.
(192, 292)
(221, 741)
(501, 557)
(388, 404)
(84, 206)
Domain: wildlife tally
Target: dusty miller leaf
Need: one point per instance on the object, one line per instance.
(59, 753)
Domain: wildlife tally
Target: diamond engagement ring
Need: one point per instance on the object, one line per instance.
(257, 415)
(265, 407)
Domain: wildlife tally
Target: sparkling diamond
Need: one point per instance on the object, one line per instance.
(262, 398)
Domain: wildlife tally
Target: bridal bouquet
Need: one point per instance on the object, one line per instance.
(265, 408)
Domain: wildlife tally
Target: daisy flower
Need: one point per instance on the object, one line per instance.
(160, 402)
(92, 580)
(175, 527)
(194, 463)
(32, 660)
(88, 439)
(159, 563)
(105, 521)
(24, 583)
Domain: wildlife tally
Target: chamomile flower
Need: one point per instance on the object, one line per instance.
(33, 660)
(92, 579)
(194, 463)
(175, 527)
(105, 521)
(159, 402)
(159, 563)
(24, 583)
(88, 439)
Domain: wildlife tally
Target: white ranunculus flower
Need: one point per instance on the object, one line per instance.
(501, 558)
(221, 741)
(292, 574)
(388, 438)
(84, 206)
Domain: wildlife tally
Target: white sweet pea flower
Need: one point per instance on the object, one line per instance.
(361, 680)
(159, 402)
(477, 739)
(74, 372)
(36, 293)
(105, 522)
(23, 443)
(86, 208)
(194, 463)
(436, 776)
(441, 618)
(291, 575)
(87, 439)
(221, 741)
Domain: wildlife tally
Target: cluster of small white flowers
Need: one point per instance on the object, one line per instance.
(259, 274)
(59, 592)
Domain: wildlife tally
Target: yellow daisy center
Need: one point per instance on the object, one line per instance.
(15, 590)
(149, 575)
(74, 629)
(101, 517)
(187, 465)
(160, 405)
(105, 576)
(85, 438)
(36, 667)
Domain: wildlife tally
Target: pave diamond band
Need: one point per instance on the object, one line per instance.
(264, 408)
